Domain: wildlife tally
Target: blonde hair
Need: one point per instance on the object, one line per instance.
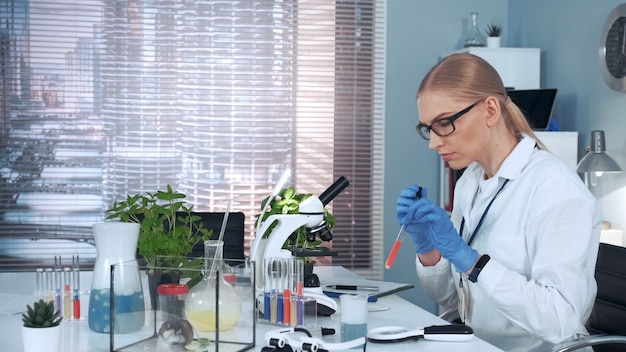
(468, 76)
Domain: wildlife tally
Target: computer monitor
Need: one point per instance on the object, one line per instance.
(536, 104)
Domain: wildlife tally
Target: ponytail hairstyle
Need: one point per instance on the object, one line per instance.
(470, 77)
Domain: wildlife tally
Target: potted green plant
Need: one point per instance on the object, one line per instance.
(287, 201)
(41, 330)
(168, 227)
(494, 31)
(168, 233)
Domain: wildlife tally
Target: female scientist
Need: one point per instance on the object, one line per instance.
(518, 254)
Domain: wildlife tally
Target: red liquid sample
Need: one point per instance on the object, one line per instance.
(392, 254)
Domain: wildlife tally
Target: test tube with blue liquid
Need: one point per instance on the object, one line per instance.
(283, 297)
(274, 292)
(282, 283)
(268, 285)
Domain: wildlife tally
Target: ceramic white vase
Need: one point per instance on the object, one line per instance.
(116, 243)
(41, 339)
(493, 42)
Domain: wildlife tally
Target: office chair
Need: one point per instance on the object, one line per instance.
(233, 235)
(607, 323)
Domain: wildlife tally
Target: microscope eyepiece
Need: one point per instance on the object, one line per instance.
(333, 191)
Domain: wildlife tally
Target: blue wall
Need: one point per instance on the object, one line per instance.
(568, 33)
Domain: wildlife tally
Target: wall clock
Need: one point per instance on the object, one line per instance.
(613, 49)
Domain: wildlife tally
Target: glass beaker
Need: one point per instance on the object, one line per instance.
(474, 38)
(213, 304)
(116, 243)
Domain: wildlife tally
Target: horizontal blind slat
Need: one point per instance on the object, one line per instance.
(113, 97)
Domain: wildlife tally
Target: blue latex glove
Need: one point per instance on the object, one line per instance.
(445, 237)
(419, 231)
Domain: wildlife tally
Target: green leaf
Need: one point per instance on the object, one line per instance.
(160, 235)
(289, 193)
(288, 202)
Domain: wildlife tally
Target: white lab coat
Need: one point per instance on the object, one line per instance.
(542, 234)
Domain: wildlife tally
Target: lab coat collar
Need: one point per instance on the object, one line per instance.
(512, 166)
(476, 185)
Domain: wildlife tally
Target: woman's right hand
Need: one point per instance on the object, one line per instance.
(419, 229)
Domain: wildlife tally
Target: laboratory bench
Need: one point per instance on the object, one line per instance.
(390, 310)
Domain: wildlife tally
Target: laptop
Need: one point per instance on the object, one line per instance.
(536, 104)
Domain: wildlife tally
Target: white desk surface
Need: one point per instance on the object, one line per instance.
(76, 335)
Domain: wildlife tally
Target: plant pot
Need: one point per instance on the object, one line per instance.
(41, 339)
(493, 42)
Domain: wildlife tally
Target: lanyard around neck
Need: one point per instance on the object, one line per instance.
(480, 222)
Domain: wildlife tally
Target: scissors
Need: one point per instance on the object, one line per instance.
(451, 332)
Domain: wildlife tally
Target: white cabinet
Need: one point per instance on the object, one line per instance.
(519, 68)
(563, 144)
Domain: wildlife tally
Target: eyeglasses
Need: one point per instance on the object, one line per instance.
(443, 127)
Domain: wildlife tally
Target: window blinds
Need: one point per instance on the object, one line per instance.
(104, 98)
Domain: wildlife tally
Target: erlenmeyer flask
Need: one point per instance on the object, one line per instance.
(214, 296)
(474, 38)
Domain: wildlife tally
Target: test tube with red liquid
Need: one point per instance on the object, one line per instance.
(399, 238)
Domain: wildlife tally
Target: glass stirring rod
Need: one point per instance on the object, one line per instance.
(398, 242)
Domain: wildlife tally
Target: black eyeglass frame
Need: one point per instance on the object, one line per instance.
(450, 119)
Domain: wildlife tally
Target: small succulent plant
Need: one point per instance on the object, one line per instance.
(41, 315)
(494, 30)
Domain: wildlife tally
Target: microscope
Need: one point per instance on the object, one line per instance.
(311, 215)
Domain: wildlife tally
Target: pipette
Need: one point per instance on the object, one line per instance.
(399, 238)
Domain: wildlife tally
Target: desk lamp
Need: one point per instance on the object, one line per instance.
(596, 161)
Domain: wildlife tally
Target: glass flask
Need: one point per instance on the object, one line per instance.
(116, 243)
(474, 38)
(213, 296)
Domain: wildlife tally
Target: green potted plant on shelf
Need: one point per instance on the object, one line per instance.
(287, 201)
(41, 330)
(168, 233)
(494, 31)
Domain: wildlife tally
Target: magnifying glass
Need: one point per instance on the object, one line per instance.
(452, 332)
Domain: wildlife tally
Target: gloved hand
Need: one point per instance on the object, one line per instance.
(444, 236)
(419, 231)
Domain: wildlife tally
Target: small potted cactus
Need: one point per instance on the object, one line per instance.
(41, 330)
(494, 31)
